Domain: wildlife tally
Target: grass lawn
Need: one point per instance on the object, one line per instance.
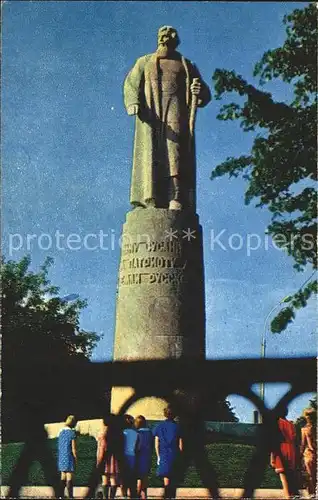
(230, 462)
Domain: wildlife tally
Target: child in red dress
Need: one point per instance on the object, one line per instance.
(110, 451)
(283, 457)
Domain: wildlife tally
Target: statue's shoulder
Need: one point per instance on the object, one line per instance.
(144, 59)
(188, 62)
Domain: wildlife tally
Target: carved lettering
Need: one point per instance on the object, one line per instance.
(166, 268)
(152, 246)
(151, 278)
(154, 262)
(165, 278)
(133, 278)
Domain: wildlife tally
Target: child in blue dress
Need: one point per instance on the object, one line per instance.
(168, 445)
(129, 479)
(143, 456)
(67, 455)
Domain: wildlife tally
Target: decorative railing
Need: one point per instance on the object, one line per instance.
(206, 381)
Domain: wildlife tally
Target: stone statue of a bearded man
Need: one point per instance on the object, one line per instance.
(162, 90)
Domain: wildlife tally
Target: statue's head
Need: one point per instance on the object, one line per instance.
(168, 37)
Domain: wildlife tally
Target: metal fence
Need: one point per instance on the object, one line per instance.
(205, 381)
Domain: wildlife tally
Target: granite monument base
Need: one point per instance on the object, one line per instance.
(160, 311)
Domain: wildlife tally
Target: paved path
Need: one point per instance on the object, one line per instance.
(39, 492)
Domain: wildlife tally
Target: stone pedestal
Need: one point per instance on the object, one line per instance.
(160, 311)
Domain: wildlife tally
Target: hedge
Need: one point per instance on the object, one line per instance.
(230, 462)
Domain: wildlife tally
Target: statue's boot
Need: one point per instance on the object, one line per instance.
(150, 203)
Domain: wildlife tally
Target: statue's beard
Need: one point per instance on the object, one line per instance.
(165, 49)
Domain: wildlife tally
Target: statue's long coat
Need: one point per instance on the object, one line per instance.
(141, 90)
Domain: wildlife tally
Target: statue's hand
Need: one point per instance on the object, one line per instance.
(195, 86)
(133, 109)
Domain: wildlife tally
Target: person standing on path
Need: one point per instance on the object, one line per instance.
(283, 457)
(308, 449)
(67, 455)
(143, 456)
(131, 439)
(110, 449)
(168, 446)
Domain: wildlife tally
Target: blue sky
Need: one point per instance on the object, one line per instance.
(67, 155)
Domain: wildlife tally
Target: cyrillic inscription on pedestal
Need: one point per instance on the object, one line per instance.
(160, 301)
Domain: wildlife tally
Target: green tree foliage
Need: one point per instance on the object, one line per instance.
(35, 321)
(229, 413)
(43, 348)
(201, 403)
(280, 169)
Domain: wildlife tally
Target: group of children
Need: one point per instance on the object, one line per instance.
(124, 454)
(285, 456)
(125, 449)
